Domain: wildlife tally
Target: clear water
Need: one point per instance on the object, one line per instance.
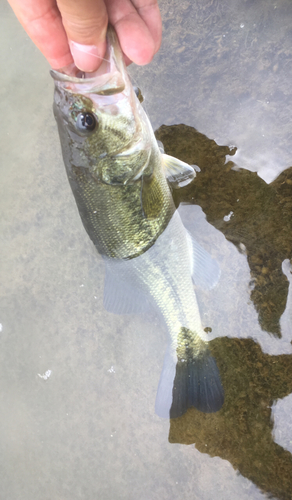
(78, 384)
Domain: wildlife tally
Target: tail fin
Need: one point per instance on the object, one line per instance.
(194, 382)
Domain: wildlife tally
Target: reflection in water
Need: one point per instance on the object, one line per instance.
(258, 218)
(258, 224)
(229, 64)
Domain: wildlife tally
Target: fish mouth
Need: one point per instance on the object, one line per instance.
(106, 84)
(109, 79)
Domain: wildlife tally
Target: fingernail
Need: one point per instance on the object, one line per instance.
(86, 57)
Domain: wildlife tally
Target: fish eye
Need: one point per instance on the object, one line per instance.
(86, 122)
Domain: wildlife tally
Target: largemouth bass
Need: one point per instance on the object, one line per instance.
(122, 183)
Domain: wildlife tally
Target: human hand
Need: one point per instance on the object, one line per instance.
(67, 30)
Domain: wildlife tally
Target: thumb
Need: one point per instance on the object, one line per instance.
(85, 23)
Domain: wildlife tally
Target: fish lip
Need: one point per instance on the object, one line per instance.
(110, 78)
(105, 84)
(67, 74)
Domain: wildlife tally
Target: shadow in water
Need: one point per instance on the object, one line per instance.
(259, 214)
(258, 223)
(241, 432)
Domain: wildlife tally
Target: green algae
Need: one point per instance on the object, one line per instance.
(260, 223)
(241, 432)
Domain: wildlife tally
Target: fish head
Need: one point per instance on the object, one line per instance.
(101, 122)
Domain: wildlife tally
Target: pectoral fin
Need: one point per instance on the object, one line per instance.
(177, 172)
(205, 270)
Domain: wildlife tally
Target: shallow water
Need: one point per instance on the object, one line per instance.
(78, 384)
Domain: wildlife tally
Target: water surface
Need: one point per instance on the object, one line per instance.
(78, 384)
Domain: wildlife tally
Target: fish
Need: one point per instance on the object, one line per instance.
(123, 182)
